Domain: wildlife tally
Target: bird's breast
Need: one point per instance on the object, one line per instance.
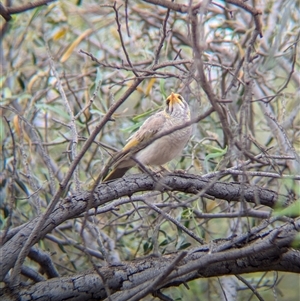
(165, 148)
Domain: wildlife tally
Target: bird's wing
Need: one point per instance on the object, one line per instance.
(150, 127)
(121, 161)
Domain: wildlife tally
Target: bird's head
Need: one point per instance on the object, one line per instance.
(176, 105)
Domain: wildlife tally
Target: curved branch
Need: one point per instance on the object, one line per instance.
(106, 192)
(253, 253)
(6, 12)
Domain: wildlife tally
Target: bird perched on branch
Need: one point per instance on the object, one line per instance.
(142, 147)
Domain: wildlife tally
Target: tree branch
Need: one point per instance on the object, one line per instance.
(106, 192)
(253, 253)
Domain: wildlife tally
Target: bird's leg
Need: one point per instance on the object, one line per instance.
(161, 170)
(164, 168)
(143, 168)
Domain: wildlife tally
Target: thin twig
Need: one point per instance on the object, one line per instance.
(247, 283)
(74, 139)
(160, 278)
(121, 38)
(174, 221)
(162, 38)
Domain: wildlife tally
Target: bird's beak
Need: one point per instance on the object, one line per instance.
(174, 98)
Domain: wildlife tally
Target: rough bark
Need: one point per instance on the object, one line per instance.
(250, 252)
(79, 203)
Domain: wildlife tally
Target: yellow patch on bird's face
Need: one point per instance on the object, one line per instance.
(175, 103)
(173, 98)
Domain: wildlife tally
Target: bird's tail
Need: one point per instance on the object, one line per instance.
(116, 173)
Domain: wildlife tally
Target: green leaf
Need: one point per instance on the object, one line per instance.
(98, 112)
(214, 152)
(296, 241)
(22, 186)
(55, 109)
(162, 88)
(143, 115)
(184, 246)
(164, 242)
(291, 211)
(148, 246)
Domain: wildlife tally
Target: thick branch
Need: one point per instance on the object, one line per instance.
(253, 253)
(6, 12)
(106, 192)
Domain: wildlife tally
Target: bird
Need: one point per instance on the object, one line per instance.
(159, 151)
